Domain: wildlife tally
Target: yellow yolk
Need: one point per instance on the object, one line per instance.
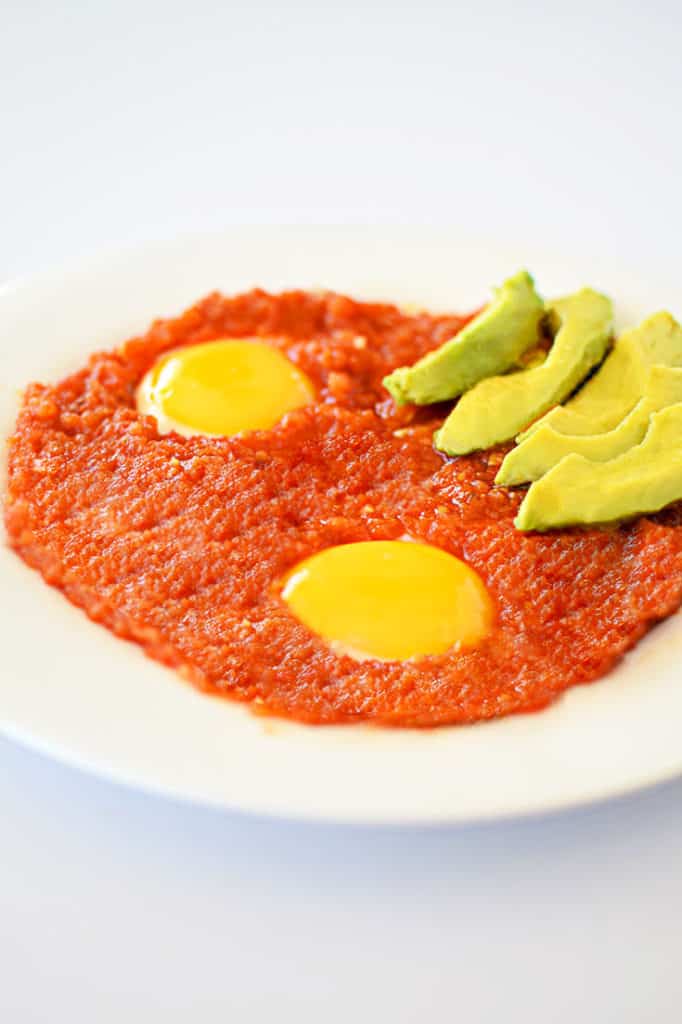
(389, 600)
(223, 387)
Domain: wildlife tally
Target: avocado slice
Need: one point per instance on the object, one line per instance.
(545, 447)
(618, 385)
(643, 480)
(490, 343)
(496, 409)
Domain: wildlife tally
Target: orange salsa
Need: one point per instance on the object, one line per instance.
(178, 543)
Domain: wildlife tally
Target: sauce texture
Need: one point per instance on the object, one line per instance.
(181, 543)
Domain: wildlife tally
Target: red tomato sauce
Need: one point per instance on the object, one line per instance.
(178, 543)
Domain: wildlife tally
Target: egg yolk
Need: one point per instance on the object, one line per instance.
(223, 387)
(389, 600)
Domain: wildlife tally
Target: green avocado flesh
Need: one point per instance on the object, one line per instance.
(643, 480)
(546, 447)
(619, 384)
(491, 343)
(497, 408)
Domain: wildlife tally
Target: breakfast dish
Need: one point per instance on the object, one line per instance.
(76, 692)
(275, 494)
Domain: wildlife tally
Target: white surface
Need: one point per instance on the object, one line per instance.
(125, 121)
(97, 702)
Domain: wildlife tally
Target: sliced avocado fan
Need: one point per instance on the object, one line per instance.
(491, 343)
(643, 480)
(497, 408)
(546, 447)
(619, 384)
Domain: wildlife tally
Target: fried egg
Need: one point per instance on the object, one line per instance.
(223, 387)
(389, 600)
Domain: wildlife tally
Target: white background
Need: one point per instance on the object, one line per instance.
(120, 122)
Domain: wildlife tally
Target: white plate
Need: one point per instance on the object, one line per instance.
(71, 689)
